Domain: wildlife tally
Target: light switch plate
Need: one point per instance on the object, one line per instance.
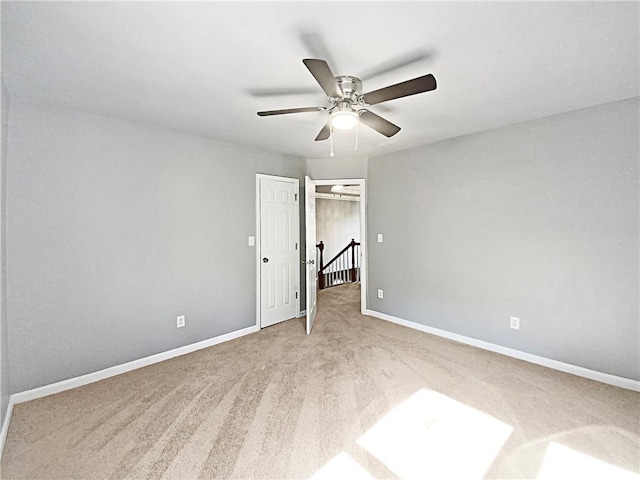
(252, 241)
(379, 238)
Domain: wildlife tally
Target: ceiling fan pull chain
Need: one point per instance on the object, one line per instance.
(357, 130)
(331, 139)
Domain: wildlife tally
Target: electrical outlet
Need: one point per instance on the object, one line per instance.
(252, 241)
(380, 239)
(380, 293)
(180, 321)
(514, 322)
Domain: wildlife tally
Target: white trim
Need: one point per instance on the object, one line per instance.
(362, 182)
(5, 425)
(621, 382)
(335, 196)
(364, 252)
(257, 235)
(296, 182)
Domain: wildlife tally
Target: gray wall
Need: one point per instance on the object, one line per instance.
(330, 168)
(4, 347)
(538, 220)
(113, 229)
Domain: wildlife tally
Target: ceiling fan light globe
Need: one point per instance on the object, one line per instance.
(344, 120)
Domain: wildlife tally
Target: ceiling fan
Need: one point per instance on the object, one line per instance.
(348, 103)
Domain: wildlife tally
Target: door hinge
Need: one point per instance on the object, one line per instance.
(296, 245)
(295, 196)
(296, 294)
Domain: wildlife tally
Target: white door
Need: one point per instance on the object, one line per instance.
(278, 255)
(312, 268)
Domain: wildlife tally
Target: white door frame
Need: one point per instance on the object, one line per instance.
(296, 182)
(363, 231)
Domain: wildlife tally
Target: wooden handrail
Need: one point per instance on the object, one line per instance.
(351, 244)
(342, 274)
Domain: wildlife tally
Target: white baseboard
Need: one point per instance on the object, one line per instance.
(126, 367)
(622, 382)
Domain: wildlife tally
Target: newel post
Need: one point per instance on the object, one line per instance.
(321, 266)
(354, 275)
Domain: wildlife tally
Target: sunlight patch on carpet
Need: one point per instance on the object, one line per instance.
(341, 466)
(430, 435)
(562, 462)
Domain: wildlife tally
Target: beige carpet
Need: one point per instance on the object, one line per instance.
(359, 398)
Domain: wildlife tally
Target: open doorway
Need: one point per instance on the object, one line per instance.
(340, 224)
(338, 234)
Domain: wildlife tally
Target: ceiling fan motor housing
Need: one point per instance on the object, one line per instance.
(351, 87)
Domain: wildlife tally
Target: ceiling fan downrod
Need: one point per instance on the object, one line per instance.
(331, 154)
(357, 130)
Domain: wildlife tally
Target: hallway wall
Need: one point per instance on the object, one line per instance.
(337, 222)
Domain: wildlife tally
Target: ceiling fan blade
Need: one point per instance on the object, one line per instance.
(291, 110)
(410, 87)
(315, 45)
(397, 63)
(325, 132)
(324, 76)
(379, 124)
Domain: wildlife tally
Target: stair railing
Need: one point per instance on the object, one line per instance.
(342, 268)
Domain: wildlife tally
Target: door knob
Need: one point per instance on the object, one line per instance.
(311, 262)
(265, 260)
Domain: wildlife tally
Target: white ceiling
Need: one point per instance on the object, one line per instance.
(196, 67)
